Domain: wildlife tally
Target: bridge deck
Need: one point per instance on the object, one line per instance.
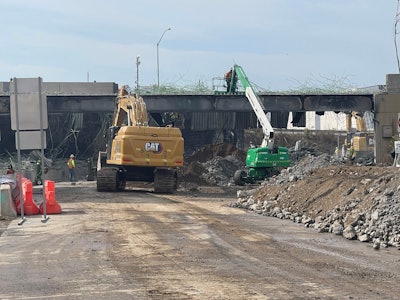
(206, 103)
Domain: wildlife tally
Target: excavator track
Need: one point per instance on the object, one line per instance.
(165, 181)
(110, 179)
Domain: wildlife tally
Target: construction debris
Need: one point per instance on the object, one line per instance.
(320, 190)
(358, 202)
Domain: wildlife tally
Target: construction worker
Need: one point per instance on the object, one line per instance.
(71, 167)
(228, 78)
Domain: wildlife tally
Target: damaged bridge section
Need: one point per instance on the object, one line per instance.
(203, 118)
(338, 103)
(239, 103)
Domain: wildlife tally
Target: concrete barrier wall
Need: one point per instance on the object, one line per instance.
(7, 205)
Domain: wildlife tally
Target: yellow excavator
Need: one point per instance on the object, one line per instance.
(137, 152)
(358, 143)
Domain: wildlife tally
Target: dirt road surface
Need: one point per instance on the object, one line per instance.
(190, 245)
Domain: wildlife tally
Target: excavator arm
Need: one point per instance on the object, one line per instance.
(257, 105)
(360, 122)
(130, 108)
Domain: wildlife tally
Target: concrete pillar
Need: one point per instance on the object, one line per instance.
(386, 120)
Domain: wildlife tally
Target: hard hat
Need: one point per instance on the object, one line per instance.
(71, 156)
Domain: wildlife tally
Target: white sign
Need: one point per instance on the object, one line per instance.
(28, 104)
(397, 147)
(30, 140)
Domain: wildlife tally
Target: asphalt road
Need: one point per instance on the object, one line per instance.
(191, 245)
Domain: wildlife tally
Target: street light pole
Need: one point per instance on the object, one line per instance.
(158, 58)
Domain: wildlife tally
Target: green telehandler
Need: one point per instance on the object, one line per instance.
(267, 159)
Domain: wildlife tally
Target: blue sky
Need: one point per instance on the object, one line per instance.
(281, 44)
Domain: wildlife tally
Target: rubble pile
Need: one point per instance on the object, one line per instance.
(305, 164)
(220, 170)
(358, 202)
(212, 165)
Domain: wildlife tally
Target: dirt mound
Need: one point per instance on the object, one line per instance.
(358, 202)
(330, 188)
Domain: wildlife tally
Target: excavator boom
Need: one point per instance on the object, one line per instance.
(130, 108)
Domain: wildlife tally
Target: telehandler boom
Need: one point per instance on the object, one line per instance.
(263, 161)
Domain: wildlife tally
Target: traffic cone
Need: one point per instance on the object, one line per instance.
(30, 207)
(52, 207)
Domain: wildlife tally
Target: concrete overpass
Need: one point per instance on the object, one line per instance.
(83, 97)
(87, 97)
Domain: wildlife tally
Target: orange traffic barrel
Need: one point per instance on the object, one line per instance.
(30, 207)
(52, 206)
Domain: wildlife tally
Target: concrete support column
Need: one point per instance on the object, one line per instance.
(386, 120)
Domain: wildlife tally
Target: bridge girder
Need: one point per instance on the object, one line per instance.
(206, 103)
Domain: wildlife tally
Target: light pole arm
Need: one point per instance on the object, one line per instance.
(162, 36)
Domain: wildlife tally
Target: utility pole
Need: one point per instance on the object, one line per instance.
(137, 74)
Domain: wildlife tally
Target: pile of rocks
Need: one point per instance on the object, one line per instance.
(305, 163)
(220, 170)
(368, 210)
(216, 172)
